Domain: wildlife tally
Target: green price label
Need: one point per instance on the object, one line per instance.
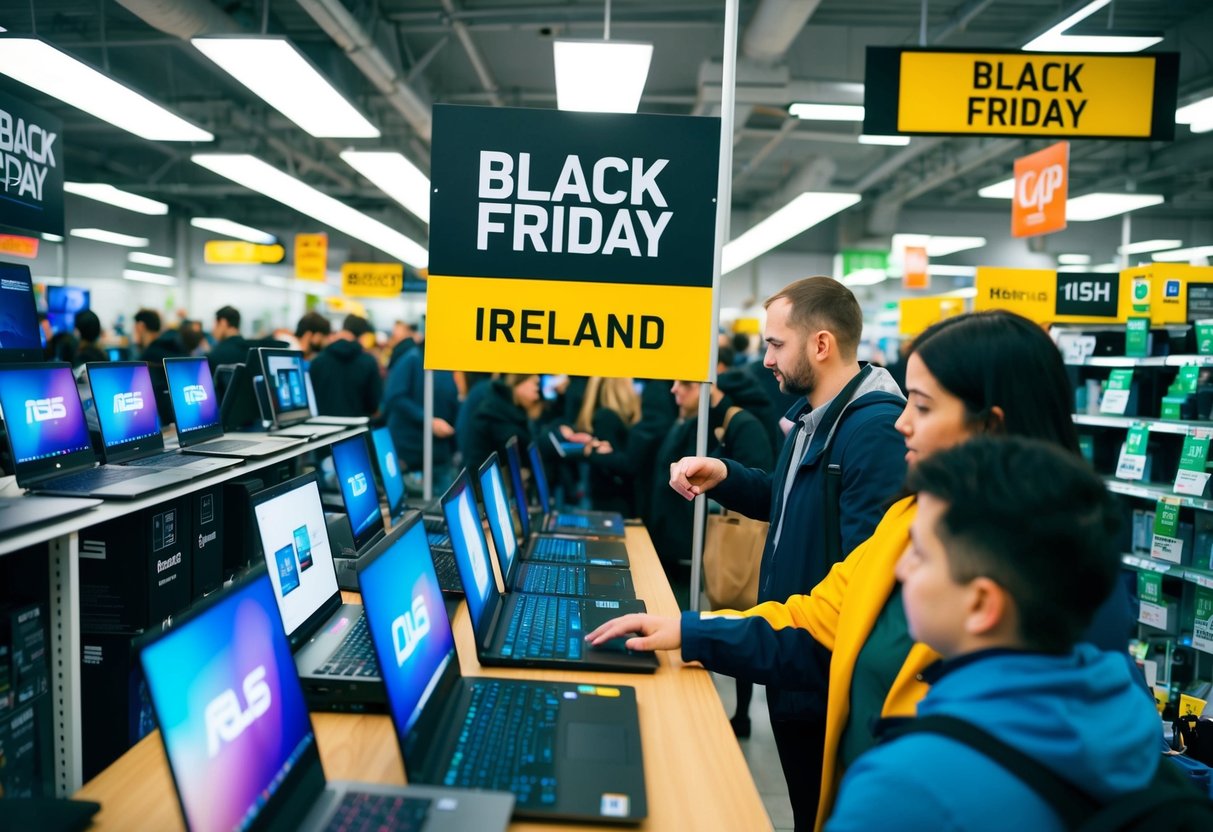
(1186, 383)
(1195, 453)
(1149, 587)
(1137, 337)
(1166, 518)
(1141, 294)
(1204, 337)
(1204, 604)
(1137, 440)
(1120, 379)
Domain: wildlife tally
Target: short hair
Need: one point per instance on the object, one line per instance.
(88, 325)
(230, 314)
(1034, 519)
(741, 342)
(725, 356)
(823, 303)
(313, 322)
(356, 325)
(190, 333)
(150, 318)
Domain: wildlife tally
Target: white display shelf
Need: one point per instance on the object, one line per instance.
(1176, 426)
(1152, 491)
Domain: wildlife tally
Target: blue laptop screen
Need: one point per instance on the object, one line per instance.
(18, 314)
(42, 413)
(515, 463)
(125, 402)
(409, 627)
(193, 394)
(389, 468)
(285, 384)
(471, 549)
(492, 487)
(541, 477)
(353, 465)
(230, 707)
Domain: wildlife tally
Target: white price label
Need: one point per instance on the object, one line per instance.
(1191, 483)
(1114, 402)
(1130, 466)
(1154, 615)
(1170, 549)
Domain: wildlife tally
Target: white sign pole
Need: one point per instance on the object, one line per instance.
(427, 438)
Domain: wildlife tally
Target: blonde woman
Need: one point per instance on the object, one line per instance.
(610, 408)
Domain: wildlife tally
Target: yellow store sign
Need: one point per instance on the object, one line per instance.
(372, 280)
(916, 314)
(1046, 296)
(238, 252)
(311, 256)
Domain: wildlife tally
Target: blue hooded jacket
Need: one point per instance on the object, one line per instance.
(1083, 715)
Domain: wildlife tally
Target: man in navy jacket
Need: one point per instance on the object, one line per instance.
(842, 442)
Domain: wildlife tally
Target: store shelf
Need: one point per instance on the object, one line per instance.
(1148, 361)
(1176, 426)
(1145, 563)
(1151, 491)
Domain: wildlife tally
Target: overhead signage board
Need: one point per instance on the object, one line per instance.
(915, 274)
(238, 252)
(31, 158)
(1046, 296)
(19, 246)
(1008, 93)
(372, 280)
(311, 256)
(1041, 186)
(916, 314)
(579, 243)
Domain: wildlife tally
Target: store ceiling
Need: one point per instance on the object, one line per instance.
(427, 43)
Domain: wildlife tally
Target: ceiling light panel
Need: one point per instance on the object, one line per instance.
(799, 215)
(1056, 39)
(234, 230)
(1146, 246)
(100, 235)
(999, 190)
(1185, 255)
(891, 141)
(600, 76)
(396, 176)
(148, 277)
(827, 112)
(1090, 207)
(118, 198)
(145, 259)
(1074, 259)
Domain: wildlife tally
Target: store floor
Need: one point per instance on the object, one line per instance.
(760, 753)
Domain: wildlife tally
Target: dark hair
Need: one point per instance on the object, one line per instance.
(88, 325)
(356, 325)
(229, 314)
(190, 333)
(741, 342)
(824, 303)
(1035, 520)
(1000, 359)
(725, 356)
(313, 322)
(150, 318)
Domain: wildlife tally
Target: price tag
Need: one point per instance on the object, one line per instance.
(1186, 382)
(1132, 463)
(1204, 337)
(1191, 478)
(1154, 615)
(1116, 397)
(1202, 626)
(1167, 544)
(1076, 348)
(1137, 337)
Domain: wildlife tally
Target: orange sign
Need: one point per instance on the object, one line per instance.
(19, 246)
(1041, 183)
(914, 269)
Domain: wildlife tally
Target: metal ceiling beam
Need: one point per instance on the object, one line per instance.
(479, 65)
(959, 20)
(773, 26)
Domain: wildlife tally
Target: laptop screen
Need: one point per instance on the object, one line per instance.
(492, 488)
(192, 393)
(408, 623)
(295, 543)
(357, 481)
(541, 477)
(389, 469)
(20, 335)
(125, 402)
(514, 460)
(230, 708)
(42, 413)
(283, 371)
(471, 549)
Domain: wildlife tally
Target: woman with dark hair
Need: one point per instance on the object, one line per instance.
(507, 409)
(988, 373)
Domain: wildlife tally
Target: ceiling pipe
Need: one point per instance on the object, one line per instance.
(183, 18)
(773, 27)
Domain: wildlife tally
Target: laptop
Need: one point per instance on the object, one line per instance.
(558, 547)
(332, 650)
(356, 480)
(388, 466)
(49, 442)
(287, 393)
(566, 751)
(130, 423)
(570, 521)
(196, 411)
(240, 744)
(20, 335)
(530, 630)
(18, 513)
(540, 578)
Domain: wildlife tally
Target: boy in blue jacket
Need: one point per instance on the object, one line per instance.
(1012, 553)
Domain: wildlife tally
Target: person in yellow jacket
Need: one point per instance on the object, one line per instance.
(983, 373)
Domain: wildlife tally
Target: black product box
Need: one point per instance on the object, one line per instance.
(206, 537)
(26, 751)
(240, 542)
(116, 710)
(22, 629)
(136, 571)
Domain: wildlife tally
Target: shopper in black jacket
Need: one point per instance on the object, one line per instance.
(609, 409)
(157, 346)
(88, 330)
(345, 377)
(506, 410)
(230, 346)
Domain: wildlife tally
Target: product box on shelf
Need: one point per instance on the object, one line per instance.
(26, 751)
(206, 540)
(240, 542)
(23, 630)
(115, 709)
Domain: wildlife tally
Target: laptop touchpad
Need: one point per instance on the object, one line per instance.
(597, 741)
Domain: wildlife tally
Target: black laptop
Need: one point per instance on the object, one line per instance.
(524, 629)
(570, 521)
(18, 513)
(566, 751)
(329, 639)
(540, 578)
(290, 403)
(233, 719)
(359, 497)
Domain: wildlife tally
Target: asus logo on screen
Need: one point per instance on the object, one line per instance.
(128, 402)
(194, 393)
(389, 462)
(226, 720)
(409, 629)
(44, 410)
(357, 484)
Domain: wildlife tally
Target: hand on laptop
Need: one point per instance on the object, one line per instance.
(656, 632)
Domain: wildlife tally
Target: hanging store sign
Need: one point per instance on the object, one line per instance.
(1041, 186)
(916, 314)
(311, 256)
(1046, 296)
(18, 246)
(372, 280)
(915, 274)
(566, 242)
(238, 252)
(1009, 93)
(31, 159)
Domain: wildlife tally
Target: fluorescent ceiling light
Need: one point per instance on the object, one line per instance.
(952, 271)
(1106, 268)
(1101, 206)
(61, 76)
(145, 259)
(278, 73)
(52, 238)
(865, 277)
(233, 230)
(258, 176)
(1056, 39)
(1074, 267)
(966, 292)
(1198, 115)
(827, 112)
(112, 237)
(121, 199)
(396, 176)
(148, 277)
(1146, 246)
(600, 76)
(306, 287)
(801, 214)
(891, 141)
(1074, 259)
(1183, 255)
(999, 190)
(936, 245)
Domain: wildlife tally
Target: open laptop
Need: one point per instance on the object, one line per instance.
(566, 751)
(130, 423)
(287, 392)
(388, 466)
(196, 410)
(540, 578)
(49, 441)
(18, 513)
(570, 521)
(240, 744)
(523, 629)
(356, 480)
(20, 335)
(329, 639)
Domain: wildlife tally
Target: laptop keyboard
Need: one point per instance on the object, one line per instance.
(162, 461)
(94, 478)
(365, 812)
(226, 446)
(554, 580)
(438, 540)
(572, 521)
(508, 741)
(540, 627)
(558, 550)
(447, 570)
(354, 656)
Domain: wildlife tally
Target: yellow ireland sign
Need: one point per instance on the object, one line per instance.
(372, 280)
